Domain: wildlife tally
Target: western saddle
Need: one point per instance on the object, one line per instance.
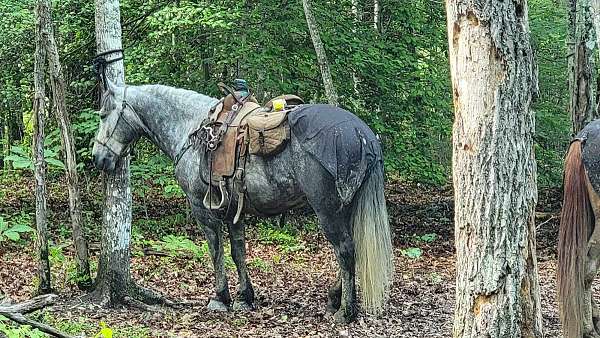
(236, 127)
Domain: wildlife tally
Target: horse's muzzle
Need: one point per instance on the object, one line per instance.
(104, 161)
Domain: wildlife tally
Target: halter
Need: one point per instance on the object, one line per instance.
(121, 116)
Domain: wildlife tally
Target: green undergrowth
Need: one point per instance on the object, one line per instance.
(94, 329)
(417, 244)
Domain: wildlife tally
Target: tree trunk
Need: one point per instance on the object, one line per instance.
(58, 95)
(356, 19)
(494, 82)
(114, 284)
(15, 125)
(330, 91)
(376, 15)
(582, 82)
(39, 167)
(595, 9)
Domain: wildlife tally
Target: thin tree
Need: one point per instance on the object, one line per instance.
(376, 15)
(582, 41)
(113, 283)
(57, 83)
(39, 163)
(494, 82)
(313, 29)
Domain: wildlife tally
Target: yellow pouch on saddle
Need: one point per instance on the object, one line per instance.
(268, 133)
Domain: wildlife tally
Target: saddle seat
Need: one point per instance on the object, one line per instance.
(249, 129)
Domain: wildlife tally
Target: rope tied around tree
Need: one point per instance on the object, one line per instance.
(100, 62)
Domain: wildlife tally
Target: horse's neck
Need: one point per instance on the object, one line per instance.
(168, 117)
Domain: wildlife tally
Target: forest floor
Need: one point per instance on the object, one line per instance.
(291, 273)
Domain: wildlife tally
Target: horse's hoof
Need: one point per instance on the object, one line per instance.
(242, 306)
(341, 317)
(215, 305)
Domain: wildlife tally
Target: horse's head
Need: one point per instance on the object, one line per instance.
(118, 128)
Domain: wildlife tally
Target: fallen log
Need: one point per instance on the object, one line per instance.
(15, 313)
(31, 305)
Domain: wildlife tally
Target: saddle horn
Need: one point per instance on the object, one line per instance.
(225, 89)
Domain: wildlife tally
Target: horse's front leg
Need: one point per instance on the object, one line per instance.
(214, 235)
(245, 297)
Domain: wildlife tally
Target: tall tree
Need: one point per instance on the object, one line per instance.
(582, 83)
(376, 15)
(39, 111)
(57, 83)
(330, 91)
(494, 81)
(113, 283)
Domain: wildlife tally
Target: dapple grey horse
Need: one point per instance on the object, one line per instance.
(359, 231)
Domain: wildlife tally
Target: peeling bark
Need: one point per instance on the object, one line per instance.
(57, 83)
(494, 81)
(39, 162)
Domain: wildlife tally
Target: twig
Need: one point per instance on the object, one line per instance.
(544, 222)
(545, 214)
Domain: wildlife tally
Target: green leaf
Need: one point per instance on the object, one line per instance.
(13, 236)
(3, 225)
(55, 163)
(428, 238)
(412, 252)
(21, 228)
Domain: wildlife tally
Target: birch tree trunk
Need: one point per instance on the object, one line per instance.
(376, 15)
(114, 284)
(58, 96)
(39, 163)
(582, 83)
(330, 91)
(494, 81)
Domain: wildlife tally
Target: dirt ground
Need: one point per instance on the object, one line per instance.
(291, 286)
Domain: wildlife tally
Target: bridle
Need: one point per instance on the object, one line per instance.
(121, 116)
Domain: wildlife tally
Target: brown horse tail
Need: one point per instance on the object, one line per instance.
(575, 220)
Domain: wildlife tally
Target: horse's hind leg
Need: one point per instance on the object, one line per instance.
(245, 297)
(591, 268)
(337, 230)
(212, 228)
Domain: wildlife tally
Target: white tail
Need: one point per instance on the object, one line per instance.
(373, 242)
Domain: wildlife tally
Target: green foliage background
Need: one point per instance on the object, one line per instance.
(403, 90)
